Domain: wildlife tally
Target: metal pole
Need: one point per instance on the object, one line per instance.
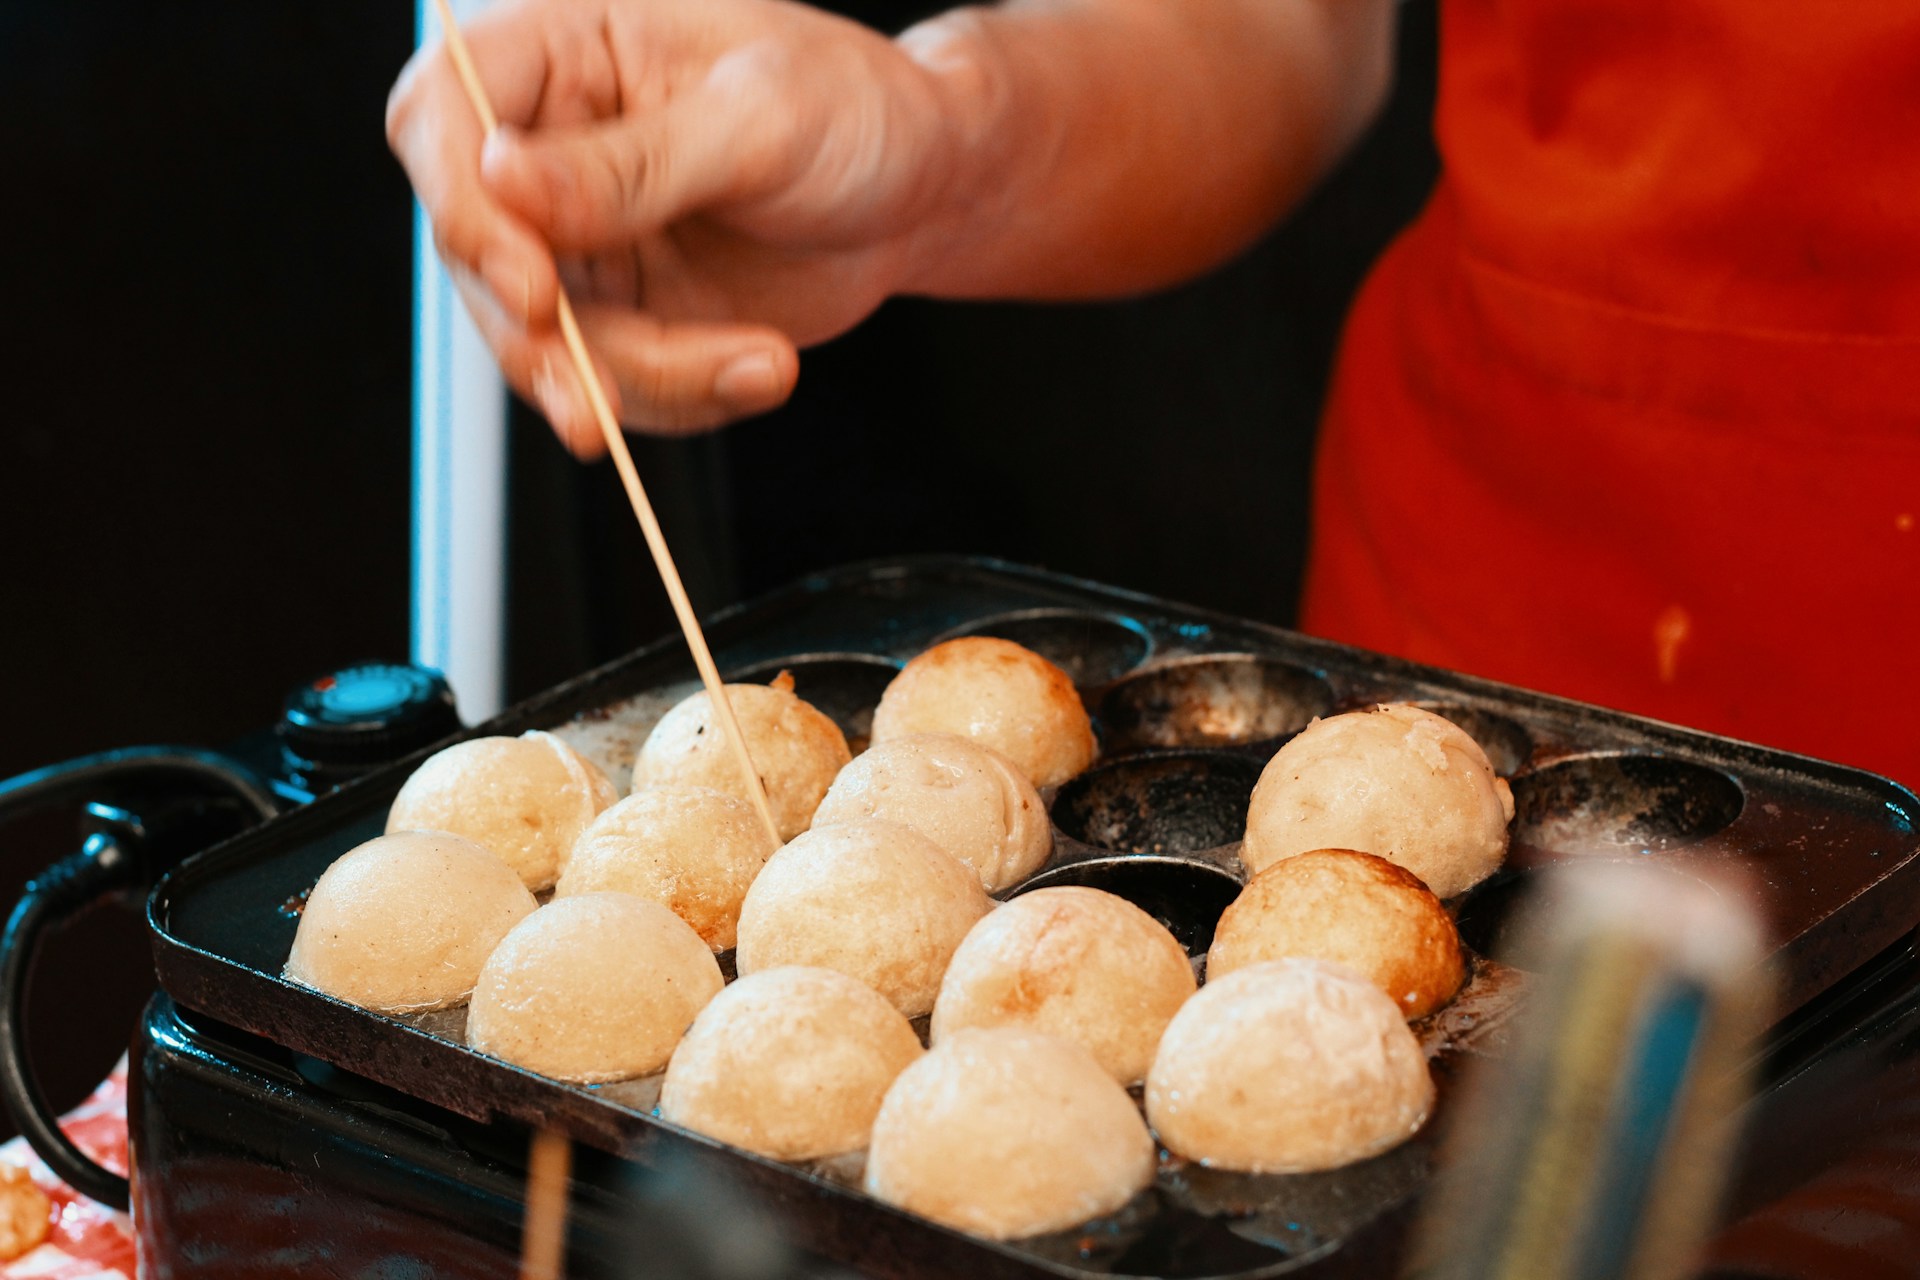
(459, 477)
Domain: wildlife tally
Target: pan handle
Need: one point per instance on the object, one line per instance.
(69, 886)
(120, 858)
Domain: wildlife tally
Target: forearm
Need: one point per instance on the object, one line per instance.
(1110, 146)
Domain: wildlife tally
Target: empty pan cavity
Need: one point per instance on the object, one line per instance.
(1221, 700)
(1489, 917)
(1614, 804)
(1496, 917)
(1164, 803)
(1508, 745)
(846, 687)
(1186, 897)
(1094, 649)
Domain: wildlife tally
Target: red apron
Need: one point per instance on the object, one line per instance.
(1632, 412)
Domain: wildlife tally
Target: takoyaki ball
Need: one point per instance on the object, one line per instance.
(1353, 909)
(591, 988)
(996, 693)
(1394, 781)
(1005, 1132)
(1288, 1066)
(790, 1063)
(1079, 963)
(796, 750)
(526, 798)
(693, 850)
(404, 922)
(874, 900)
(967, 798)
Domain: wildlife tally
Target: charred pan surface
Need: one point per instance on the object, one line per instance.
(1226, 700)
(1165, 803)
(1094, 649)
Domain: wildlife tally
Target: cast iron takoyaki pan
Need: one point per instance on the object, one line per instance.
(1189, 705)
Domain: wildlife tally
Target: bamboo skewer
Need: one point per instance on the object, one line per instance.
(543, 1240)
(623, 462)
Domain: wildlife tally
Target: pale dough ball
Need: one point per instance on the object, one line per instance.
(1078, 963)
(1287, 1067)
(526, 798)
(1005, 1132)
(1351, 908)
(1395, 781)
(871, 899)
(998, 694)
(967, 798)
(693, 850)
(790, 1063)
(796, 749)
(403, 922)
(592, 988)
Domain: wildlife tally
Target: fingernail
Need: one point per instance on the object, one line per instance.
(748, 382)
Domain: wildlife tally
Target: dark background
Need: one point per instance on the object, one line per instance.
(205, 340)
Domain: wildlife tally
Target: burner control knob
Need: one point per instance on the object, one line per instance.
(353, 720)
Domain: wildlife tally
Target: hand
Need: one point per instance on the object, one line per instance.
(717, 182)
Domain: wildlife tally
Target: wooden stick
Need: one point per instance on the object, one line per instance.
(463, 65)
(623, 462)
(543, 1240)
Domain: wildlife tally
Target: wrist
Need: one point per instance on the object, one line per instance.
(972, 187)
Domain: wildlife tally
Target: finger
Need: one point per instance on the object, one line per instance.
(540, 369)
(602, 185)
(684, 377)
(563, 401)
(436, 135)
(506, 337)
(611, 277)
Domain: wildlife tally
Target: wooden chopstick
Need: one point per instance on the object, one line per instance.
(543, 1239)
(623, 462)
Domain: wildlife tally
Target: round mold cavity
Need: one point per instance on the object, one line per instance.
(1094, 649)
(1612, 804)
(1163, 803)
(1186, 897)
(1223, 700)
(846, 687)
(1488, 917)
(1493, 918)
(1508, 745)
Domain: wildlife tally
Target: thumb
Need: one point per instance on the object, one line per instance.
(604, 185)
(672, 378)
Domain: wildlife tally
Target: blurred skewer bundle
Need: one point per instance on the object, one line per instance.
(1598, 1147)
